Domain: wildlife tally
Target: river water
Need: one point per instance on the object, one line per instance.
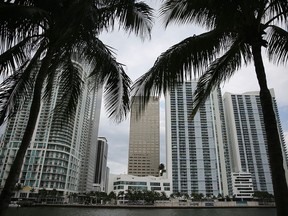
(59, 211)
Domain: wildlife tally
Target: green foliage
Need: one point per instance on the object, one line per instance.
(263, 195)
(142, 197)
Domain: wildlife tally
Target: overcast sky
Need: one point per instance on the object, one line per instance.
(139, 56)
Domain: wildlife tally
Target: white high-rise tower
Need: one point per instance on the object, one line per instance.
(247, 137)
(198, 158)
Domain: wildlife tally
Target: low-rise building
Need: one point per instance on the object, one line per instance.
(242, 185)
(124, 182)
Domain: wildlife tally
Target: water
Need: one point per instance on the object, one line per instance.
(59, 211)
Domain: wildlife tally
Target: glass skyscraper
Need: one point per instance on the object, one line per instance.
(144, 140)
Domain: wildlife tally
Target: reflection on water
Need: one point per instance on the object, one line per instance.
(50, 211)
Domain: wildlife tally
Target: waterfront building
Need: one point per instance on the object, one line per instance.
(124, 182)
(242, 186)
(247, 137)
(198, 158)
(100, 178)
(58, 147)
(144, 139)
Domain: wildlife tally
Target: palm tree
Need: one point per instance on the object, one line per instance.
(42, 193)
(52, 32)
(161, 169)
(236, 33)
(18, 187)
(111, 197)
(121, 196)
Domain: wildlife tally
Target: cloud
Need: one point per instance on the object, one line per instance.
(117, 168)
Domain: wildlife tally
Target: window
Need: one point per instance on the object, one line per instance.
(154, 183)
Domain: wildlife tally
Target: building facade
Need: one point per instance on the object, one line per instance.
(125, 182)
(242, 186)
(247, 137)
(144, 140)
(89, 150)
(198, 158)
(54, 157)
(100, 178)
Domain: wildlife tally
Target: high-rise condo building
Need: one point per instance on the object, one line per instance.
(247, 137)
(144, 139)
(54, 159)
(198, 158)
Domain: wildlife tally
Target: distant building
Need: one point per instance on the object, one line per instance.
(100, 178)
(247, 137)
(198, 159)
(144, 139)
(54, 157)
(242, 186)
(125, 182)
(88, 162)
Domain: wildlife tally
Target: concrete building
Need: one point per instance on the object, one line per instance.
(247, 137)
(100, 178)
(198, 158)
(144, 139)
(57, 149)
(125, 182)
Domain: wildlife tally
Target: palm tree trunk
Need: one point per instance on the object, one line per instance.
(15, 170)
(273, 138)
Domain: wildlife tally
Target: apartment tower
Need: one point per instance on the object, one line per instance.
(144, 139)
(54, 159)
(247, 137)
(198, 158)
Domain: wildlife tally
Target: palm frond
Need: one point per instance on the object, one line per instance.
(14, 91)
(62, 55)
(18, 21)
(135, 17)
(204, 13)
(220, 71)
(20, 12)
(278, 44)
(106, 70)
(70, 83)
(182, 61)
(13, 57)
(184, 11)
(17, 88)
(277, 9)
(116, 94)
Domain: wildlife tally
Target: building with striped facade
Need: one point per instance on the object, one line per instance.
(247, 137)
(198, 158)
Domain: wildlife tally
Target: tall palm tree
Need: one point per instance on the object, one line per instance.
(51, 32)
(236, 33)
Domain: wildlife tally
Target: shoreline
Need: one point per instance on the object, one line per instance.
(144, 206)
